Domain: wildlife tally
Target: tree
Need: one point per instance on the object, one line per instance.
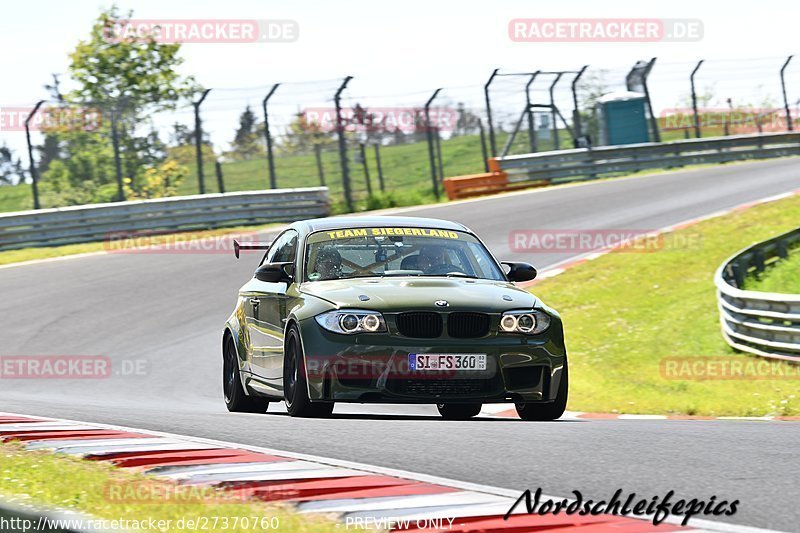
(303, 135)
(247, 140)
(592, 86)
(11, 171)
(466, 121)
(49, 150)
(126, 79)
(127, 73)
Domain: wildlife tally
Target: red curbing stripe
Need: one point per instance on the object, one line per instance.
(524, 523)
(625, 525)
(793, 418)
(508, 413)
(20, 420)
(187, 458)
(336, 488)
(102, 456)
(70, 435)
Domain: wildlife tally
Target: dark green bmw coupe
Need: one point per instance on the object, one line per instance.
(391, 310)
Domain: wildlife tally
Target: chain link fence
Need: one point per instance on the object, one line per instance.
(371, 150)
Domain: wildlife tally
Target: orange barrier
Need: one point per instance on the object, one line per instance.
(475, 185)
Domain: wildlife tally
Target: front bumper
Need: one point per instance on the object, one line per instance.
(373, 368)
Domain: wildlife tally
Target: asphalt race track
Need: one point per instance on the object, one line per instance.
(168, 311)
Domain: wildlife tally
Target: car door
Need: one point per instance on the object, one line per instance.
(268, 307)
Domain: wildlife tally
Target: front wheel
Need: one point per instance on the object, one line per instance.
(295, 383)
(548, 411)
(458, 411)
(235, 399)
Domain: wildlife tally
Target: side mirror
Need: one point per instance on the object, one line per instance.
(275, 272)
(519, 271)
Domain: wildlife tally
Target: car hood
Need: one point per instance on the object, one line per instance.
(400, 294)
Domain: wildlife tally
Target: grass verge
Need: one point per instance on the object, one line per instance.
(38, 478)
(624, 313)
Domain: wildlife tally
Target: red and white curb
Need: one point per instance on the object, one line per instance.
(360, 495)
(507, 410)
(563, 266)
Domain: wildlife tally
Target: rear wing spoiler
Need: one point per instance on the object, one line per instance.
(237, 246)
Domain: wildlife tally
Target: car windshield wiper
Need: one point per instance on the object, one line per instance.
(363, 276)
(452, 275)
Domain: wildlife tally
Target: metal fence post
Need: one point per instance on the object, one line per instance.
(484, 152)
(273, 181)
(694, 100)
(492, 142)
(34, 174)
(576, 113)
(220, 179)
(531, 125)
(320, 169)
(789, 124)
(429, 134)
(553, 116)
(117, 159)
(348, 195)
(653, 120)
(198, 141)
(438, 140)
(380, 168)
(363, 152)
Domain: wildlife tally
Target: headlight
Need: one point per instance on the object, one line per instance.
(527, 322)
(352, 321)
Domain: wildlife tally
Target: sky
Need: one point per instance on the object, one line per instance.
(406, 49)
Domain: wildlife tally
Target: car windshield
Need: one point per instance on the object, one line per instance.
(385, 251)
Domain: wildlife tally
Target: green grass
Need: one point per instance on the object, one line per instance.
(783, 277)
(16, 198)
(89, 487)
(624, 312)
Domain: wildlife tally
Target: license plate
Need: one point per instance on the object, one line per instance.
(447, 361)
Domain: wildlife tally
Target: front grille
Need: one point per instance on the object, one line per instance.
(467, 325)
(440, 387)
(420, 325)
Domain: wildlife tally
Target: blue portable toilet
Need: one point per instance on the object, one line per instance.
(623, 118)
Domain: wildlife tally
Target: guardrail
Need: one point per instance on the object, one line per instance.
(86, 223)
(545, 168)
(761, 323)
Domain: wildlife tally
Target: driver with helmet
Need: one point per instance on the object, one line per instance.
(329, 264)
(431, 257)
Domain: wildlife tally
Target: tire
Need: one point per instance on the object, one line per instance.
(295, 383)
(550, 410)
(233, 391)
(458, 411)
